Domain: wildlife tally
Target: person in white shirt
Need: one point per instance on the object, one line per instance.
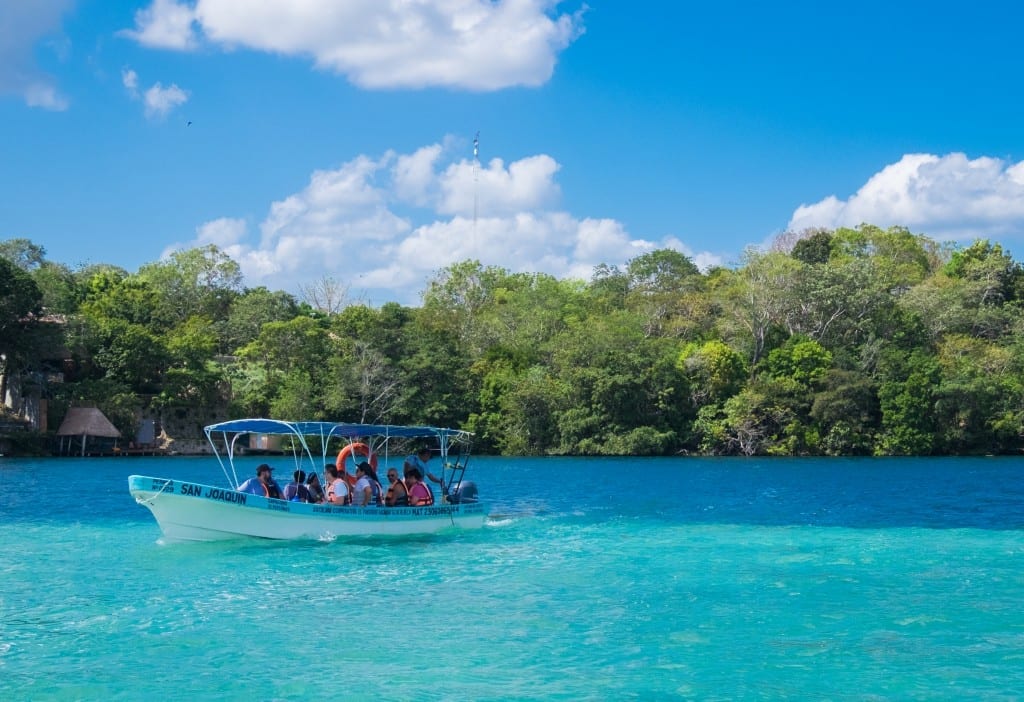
(337, 489)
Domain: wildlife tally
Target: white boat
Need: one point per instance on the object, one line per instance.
(193, 511)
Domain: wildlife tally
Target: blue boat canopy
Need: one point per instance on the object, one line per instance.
(331, 429)
(312, 439)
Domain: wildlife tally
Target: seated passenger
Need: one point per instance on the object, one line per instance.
(375, 487)
(337, 489)
(316, 490)
(296, 491)
(420, 494)
(397, 495)
(362, 493)
(419, 461)
(263, 484)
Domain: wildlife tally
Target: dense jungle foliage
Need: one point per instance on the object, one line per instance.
(848, 342)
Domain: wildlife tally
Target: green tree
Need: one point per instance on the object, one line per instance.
(624, 391)
(801, 359)
(202, 281)
(131, 355)
(661, 271)
(758, 301)
(714, 371)
(900, 259)
(299, 343)
(192, 377)
(907, 402)
(758, 420)
(23, 253)
(979, 382)
(997, 276)
(663, 285)
(815, 247)
(608, 289)
(250, 311)
(60, 288)
(517, 408)
(364, 385)
(296, 397)
(845, 412)
(19, 309)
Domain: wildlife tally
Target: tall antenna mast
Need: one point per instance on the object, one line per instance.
(476, 170)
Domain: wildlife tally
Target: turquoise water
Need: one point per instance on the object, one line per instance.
(709, 579)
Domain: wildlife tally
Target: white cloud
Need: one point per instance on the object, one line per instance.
(470, 44)
(130, 79)
(46, 96)
(944, 197)
(343, 224)
(415, 177)
(224, 232)
(525, 185)
(166, 24)
(22, 25)
(160, 100)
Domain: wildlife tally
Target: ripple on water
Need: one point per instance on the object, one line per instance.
(803, 582)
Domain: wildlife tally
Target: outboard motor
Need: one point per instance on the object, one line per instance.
(465, 492)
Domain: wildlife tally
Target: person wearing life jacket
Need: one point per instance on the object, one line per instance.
(397, 495)
(420, 494)
(338, 492)
(419, 461)
(316, 490)
(376, 490)
(263, 484)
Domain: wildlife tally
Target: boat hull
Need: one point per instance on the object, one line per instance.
(189, 511)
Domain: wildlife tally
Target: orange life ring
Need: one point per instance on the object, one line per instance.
(355, 449)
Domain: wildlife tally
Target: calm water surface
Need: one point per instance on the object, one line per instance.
(594, 579)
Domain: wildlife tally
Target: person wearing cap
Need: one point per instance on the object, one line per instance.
(419, 461)
(263, 484)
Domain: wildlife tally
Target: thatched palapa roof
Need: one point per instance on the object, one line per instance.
(86, 421)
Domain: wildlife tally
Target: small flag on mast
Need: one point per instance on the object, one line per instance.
(476, 145)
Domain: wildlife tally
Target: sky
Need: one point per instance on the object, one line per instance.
(375, 142)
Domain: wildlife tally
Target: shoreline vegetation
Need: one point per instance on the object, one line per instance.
(862, 341)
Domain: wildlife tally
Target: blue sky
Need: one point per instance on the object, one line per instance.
(335, 139)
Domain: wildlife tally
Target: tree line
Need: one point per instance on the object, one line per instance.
(854, 341)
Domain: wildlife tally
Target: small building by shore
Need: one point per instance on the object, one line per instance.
(86, 431)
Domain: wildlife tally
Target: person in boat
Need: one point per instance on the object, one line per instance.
(296, 491)
(263, 484)
(375, 486)
(367, 490)
(420, 494)
(362, 493)
(338, 492)
(397, 495)
(419, 461)
(316, 490)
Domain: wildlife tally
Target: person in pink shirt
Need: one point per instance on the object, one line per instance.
(420, 494)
